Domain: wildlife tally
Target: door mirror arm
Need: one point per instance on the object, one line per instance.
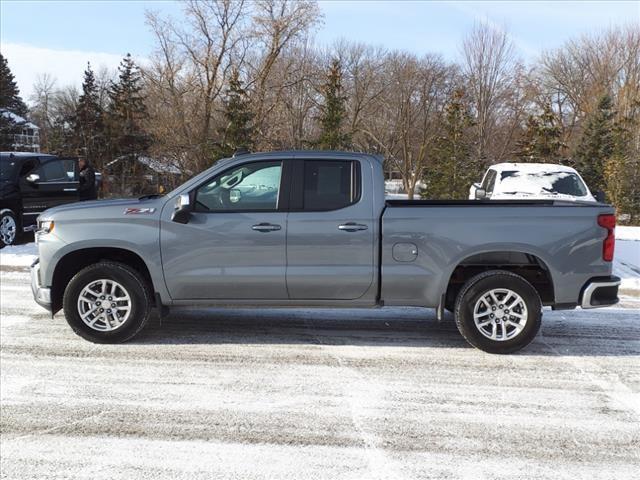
(182, 213)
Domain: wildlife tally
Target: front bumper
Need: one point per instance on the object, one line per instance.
(41, 295)
(600, 292)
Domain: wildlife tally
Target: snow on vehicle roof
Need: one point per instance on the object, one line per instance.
(532, 167)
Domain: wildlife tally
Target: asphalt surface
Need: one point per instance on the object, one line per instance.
(316, 394)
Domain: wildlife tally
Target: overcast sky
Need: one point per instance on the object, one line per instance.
(59, 37)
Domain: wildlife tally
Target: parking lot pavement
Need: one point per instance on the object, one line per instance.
(304, 394)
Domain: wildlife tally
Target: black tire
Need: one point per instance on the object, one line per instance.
(134, 284)
(8, 215)
(481, 285)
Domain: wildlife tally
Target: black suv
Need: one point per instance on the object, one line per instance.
(29, 184)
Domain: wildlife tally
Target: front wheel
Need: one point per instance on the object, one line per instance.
(498, 312)
(8, 228)
(107, 302)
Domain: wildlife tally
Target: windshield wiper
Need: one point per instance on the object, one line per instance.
(151, 195)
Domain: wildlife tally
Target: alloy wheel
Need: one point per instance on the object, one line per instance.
(104, 305)
(500, 314)
(8, 229)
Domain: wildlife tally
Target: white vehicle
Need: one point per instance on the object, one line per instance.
(531, 181)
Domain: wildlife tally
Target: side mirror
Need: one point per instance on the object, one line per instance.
(481, 194)
(600, 196)
(32, 178)
(182, 213)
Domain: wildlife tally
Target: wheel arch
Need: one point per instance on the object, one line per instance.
(74, 261)
(528, 265)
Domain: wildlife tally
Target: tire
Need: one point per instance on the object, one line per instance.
(9, 228)
(483, 326)
(95, 290)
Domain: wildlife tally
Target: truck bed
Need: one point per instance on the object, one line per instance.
(563, 237)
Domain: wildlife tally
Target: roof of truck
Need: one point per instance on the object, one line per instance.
(6, 155)
(532, 167)
(307, 154)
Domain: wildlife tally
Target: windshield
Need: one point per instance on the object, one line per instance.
(543, 182)
(8, 169)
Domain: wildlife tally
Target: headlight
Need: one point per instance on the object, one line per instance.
(45, 226)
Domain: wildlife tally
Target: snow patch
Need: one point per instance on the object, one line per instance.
(18, 255)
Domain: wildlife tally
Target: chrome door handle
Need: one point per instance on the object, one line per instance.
(70, 189)
(352, 227)
(266, 227)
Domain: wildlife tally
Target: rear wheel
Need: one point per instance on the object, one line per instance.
(107, 302)
(498, 312)
(8, 228)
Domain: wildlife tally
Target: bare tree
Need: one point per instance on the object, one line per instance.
(190, 68)
(44, 90)
(412, 105)
(276, 24)
(488, 64)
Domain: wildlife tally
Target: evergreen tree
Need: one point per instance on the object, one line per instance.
(542, 139)
(9, 93)
(9, 100)
(127, 112)
(333, 112)
(622, 169)
(453, 168)
(596, 144)
(237, 133)
(88, 123)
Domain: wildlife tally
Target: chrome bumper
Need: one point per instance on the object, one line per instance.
(600, 292)
(41, 295)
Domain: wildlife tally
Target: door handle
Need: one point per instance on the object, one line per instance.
(352, 227)
(266, 227)
(70, 189)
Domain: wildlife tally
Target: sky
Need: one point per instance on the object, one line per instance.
(59, 37)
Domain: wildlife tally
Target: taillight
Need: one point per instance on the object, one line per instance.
(608, 221)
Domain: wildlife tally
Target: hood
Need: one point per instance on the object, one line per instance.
(103, 207)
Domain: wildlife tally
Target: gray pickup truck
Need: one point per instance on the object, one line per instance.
(313, 229)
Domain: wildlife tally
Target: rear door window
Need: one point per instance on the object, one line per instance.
(330, 184)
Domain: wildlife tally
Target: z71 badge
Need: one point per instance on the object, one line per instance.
(138, 211)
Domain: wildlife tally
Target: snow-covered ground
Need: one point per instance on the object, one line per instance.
(322, 394)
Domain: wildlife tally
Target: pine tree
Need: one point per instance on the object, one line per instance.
(88, 123)
(237, 133)
(453, 169)
(596, 144)
(622, 169)
(542, 139)
(127, 111)
(9, 100)
(333, 112)
(9, 93)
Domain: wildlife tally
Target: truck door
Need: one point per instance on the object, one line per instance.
(331, 231)
(46, 184)
(233, 246)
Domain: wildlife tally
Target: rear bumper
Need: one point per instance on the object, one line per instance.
(41, 295)
(600, 292)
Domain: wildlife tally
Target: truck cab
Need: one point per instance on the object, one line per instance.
(30, 183)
